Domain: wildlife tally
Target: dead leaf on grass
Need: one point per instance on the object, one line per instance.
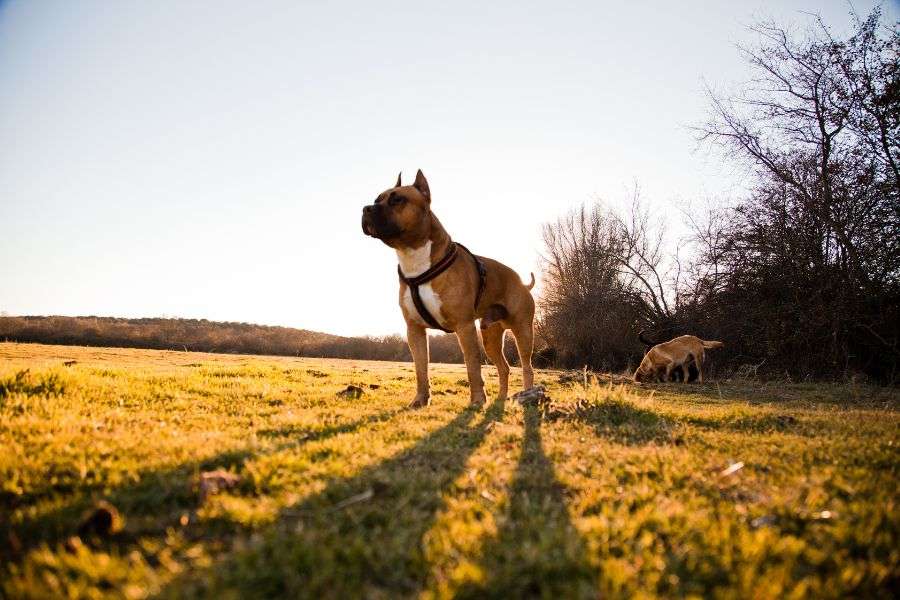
(732, 469)
(361, 497)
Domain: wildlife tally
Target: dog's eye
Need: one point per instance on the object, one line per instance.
(396, 200)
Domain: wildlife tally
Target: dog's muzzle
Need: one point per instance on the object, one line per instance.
(375, 223)
(367, 226)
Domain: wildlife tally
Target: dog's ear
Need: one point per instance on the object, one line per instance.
(399, 175)
(421, 184)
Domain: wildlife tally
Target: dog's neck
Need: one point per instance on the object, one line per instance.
(416, 260)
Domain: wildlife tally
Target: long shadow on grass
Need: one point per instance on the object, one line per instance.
(781, 394)
(155, 502)
(624, 423)
(756, 424)
(360, 537)
(537, 552)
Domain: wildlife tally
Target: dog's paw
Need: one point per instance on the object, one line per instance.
(420, 401)
(477, 398)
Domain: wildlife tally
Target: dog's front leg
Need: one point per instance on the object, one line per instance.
(418, 347)
(468, 341)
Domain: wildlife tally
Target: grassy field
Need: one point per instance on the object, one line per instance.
(736, 489)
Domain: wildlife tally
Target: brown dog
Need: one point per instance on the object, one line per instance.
(686, 373)
(683, 351)
(444, 286)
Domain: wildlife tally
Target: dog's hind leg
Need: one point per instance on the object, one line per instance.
(692, 373)
(682, 372)
(690, 370)
(493, 346)
(524, 334)
(468, 342)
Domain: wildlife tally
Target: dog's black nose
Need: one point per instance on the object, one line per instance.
(368, 208)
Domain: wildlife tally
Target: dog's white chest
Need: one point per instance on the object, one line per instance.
(415, 261)
(430, 299)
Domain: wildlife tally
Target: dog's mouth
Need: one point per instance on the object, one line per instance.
(379, 228)
(368, 227)
(372, 230)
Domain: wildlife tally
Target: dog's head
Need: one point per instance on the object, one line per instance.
(639, 375)
(645, 371)
(401, 215)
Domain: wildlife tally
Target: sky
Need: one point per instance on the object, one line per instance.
(211, 159)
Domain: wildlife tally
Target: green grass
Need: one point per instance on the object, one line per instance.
(618, 493)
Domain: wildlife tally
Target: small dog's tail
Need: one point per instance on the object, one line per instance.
(531, 285)
(710, 344)
(644, 339)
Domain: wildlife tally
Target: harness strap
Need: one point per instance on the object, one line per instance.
(435, 270)
(482, 274)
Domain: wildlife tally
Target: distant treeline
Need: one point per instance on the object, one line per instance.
(200, 335)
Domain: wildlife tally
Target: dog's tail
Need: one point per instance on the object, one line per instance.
(710, 344)
(531, 285)
(644, 339)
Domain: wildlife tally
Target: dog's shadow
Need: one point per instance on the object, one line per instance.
(624, 423)
(361, 535)
(157, 496)
(537, 552)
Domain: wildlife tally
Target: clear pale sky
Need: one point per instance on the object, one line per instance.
(210, 159)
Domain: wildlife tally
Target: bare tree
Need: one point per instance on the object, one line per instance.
(581, 286)
(604, 279)
(641, 261)
(810, 260)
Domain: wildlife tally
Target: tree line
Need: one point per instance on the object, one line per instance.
(200, 335)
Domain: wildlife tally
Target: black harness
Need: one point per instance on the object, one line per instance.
(435, 270)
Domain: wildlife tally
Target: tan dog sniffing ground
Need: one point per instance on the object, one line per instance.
(444, 286)
(682, 352)
(686, 373)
